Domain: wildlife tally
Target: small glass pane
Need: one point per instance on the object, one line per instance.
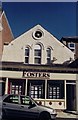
(38, 60)
(26, 60)
(37, 52)
(36, 92)
(26, 51)
(71, 44)
(48, 55)
(48, 52)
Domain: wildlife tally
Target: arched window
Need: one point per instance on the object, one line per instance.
(48, 55)
(26, 55)
(37, 54)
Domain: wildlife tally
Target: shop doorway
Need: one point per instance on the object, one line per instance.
(71, 97)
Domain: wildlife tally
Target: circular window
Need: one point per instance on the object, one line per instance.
(38, 34)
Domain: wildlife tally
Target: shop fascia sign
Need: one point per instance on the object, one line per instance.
(36, 74)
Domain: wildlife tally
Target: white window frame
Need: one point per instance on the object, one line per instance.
(69, 45)
(37, 47)
(48, 57)
(26, 56)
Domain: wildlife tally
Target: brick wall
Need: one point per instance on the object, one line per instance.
(6, 34)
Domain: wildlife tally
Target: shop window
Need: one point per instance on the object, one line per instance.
(26, 55)
(36, 89)
(55, 90)
(37, 54)
(16, 89)
(48, 55)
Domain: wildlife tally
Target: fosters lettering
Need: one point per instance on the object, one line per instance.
(36, 74)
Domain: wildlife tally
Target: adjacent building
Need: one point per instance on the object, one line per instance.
(71, 43)
(6, 35)
(37, 64)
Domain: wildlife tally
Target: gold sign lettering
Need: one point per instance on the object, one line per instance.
(36, 74)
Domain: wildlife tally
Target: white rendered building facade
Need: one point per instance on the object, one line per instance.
(31, 67)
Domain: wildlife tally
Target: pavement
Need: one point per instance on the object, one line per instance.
(67, 114)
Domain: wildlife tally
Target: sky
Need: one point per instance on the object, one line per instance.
(39, 0)
(58, 18)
